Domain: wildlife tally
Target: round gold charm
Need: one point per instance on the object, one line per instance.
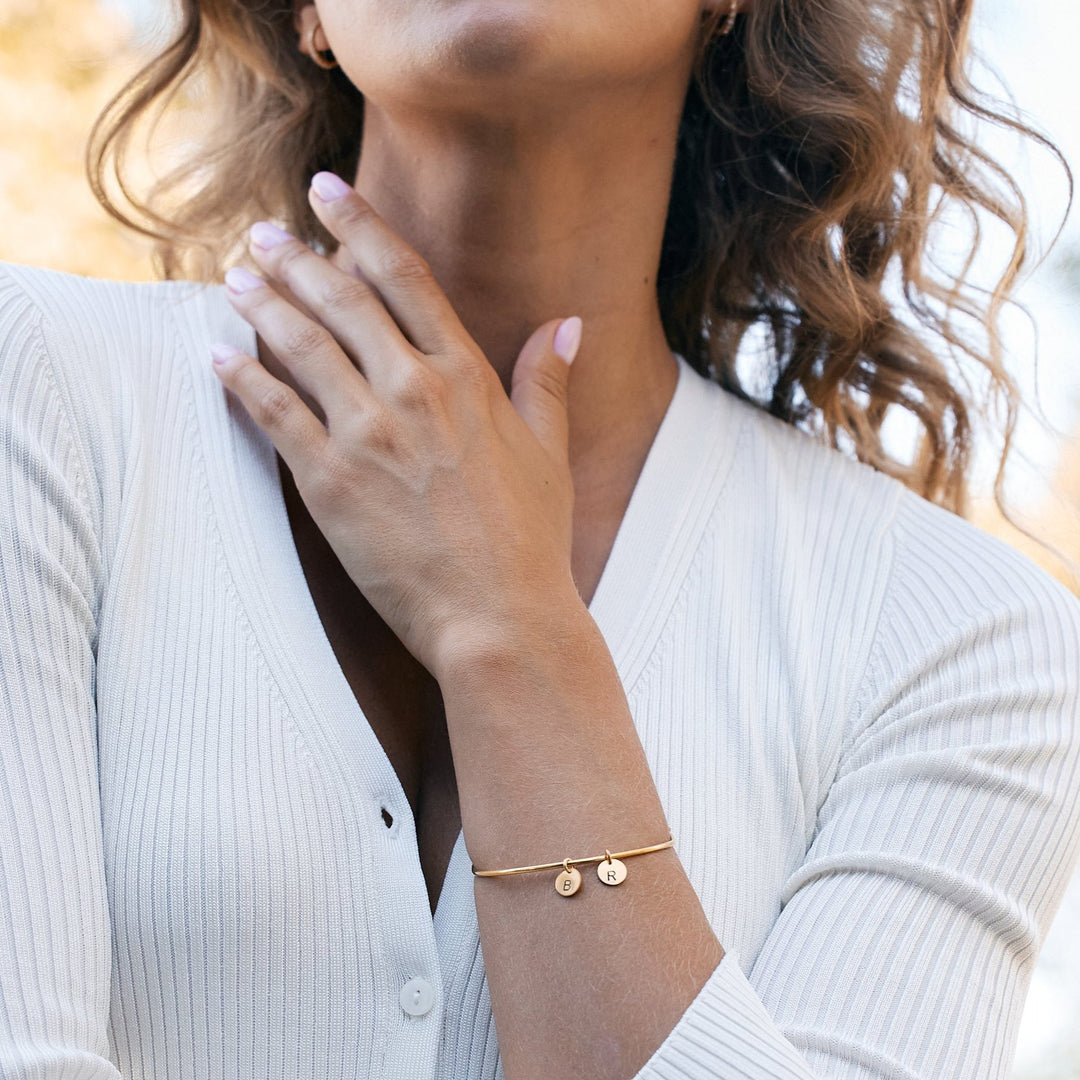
(568, 882)
(611, 871)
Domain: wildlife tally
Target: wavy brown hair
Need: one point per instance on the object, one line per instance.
(819, 143)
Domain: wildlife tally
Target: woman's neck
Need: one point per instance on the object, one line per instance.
(524, 221)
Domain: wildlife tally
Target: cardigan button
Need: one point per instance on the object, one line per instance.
(417, 996)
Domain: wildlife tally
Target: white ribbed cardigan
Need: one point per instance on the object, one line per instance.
(862, 714)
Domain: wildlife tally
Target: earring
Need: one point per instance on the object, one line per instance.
(323, 57)
(729, 19)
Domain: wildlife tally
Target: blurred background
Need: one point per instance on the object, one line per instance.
(61, 60)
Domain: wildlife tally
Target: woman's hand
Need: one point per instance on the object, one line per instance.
(448, 503)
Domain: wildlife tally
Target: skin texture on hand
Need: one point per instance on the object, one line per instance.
(448, 503)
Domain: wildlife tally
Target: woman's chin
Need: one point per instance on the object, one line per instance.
(493, 40)
(482, 59)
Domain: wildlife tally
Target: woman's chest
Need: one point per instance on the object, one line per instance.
(245, 796)
(249, 857)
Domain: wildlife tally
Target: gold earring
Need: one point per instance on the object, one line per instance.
(323, 57)
(729, 20)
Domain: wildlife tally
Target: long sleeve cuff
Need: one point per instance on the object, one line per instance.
(726, 1033)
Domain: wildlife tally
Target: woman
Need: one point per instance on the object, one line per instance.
(406, 587)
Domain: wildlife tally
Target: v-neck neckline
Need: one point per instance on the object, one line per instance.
(678, 485)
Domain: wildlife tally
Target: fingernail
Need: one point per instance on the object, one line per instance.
(329, 186)
(240, 280)
(568, 338)
(267, 236)
(221, 352)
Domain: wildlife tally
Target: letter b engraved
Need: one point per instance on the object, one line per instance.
(568, 882)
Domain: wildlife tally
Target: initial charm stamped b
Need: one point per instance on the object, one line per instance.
(569, 880)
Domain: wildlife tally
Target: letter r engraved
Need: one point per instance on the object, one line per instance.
(611, 874)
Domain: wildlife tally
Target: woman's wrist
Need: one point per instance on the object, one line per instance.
(547, 756)
(549, 624)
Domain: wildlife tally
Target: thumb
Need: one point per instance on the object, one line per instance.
(539, 382)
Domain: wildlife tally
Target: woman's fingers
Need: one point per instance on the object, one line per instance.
(350, 309)
(402, 276)
(276, 407)
(308, 349)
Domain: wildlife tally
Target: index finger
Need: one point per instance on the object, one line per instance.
(398, 271)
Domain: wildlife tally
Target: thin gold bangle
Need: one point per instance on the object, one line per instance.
(572, 862)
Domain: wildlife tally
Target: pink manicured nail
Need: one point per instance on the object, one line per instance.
(328, 186)
(267, 236)
(221, 352)
(240, 280)
(568, 338)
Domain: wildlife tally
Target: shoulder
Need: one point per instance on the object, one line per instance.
(98, 317)
(807, 478)
(924, 586)
(52, 291)
(109, 357)
(104, 322)
(816, 524)
(110, 343)
(805, 485)
(955, 586)
(976, 646)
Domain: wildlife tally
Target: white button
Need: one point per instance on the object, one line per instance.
(417, 996)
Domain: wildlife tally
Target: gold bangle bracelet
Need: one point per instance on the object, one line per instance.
(609, 869)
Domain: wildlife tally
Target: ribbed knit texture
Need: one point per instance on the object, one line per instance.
(861, 712)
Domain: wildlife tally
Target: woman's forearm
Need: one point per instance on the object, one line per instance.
(549, 765)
